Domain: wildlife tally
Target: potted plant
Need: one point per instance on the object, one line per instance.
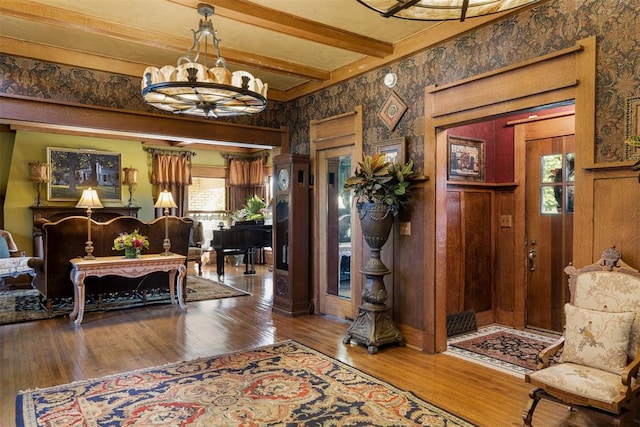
(381, 188)
(634, 141)
(251, 211)
(377, 180)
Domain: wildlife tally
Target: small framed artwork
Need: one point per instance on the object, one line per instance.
(632, 148)
(73, 170)
(393, 149)
(392, 111)
(465, 159)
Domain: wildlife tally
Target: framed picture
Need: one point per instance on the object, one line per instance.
(73, 170)
(393, 149)
(465, 159)
(632, 127)
(392, 111)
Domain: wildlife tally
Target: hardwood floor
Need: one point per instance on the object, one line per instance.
(50, 352)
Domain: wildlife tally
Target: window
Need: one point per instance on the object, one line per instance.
(207, 194)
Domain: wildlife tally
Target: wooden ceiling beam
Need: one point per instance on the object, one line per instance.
(64, 18)
(295, 26)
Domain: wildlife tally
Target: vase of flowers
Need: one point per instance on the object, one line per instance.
(131, 243)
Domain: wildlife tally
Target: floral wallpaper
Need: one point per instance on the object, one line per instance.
(547, 28)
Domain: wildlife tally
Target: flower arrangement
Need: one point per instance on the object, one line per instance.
(134, 240)
(377, 180)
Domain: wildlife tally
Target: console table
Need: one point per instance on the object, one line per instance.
(126, 267)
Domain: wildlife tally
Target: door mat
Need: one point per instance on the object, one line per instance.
(506, 349)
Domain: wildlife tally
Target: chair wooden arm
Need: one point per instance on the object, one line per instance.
(545, 355)
(631, 371)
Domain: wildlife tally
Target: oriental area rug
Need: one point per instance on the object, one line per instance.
(502, 348)
(285, 384)
(23, 305)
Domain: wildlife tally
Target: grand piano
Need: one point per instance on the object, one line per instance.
(242, 238)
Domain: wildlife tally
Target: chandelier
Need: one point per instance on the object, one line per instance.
(195, 89)
(441, 10)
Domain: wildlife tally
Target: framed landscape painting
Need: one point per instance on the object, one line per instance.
(73, 170)
(393, 149)
(465, 159)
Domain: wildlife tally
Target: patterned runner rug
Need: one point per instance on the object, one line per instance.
(285, 384)
(24, 304)
(506, 349)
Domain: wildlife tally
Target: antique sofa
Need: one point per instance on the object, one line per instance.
(65, 239)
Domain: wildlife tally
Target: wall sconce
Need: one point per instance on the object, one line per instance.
(39, 174)
(131, 180)
(89, 200)
(165, 200)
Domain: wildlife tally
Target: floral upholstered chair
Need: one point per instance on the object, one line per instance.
(600, 346)
(196, 238)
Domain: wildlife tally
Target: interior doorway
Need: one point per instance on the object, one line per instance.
(334, 166)
(336, 146)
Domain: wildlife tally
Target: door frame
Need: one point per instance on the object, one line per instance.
(565, 75)
(335, 132)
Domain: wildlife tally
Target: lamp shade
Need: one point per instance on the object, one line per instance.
(89, 199)
(130, 176)
(165, 200)
(39, 172)
(441, 10)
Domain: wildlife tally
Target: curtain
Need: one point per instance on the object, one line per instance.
(171, 170)
(245, 178)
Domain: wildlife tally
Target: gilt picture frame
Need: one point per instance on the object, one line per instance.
(632, 116)
(465, 159)
(392, 111)
(394, 149)
(73, 170)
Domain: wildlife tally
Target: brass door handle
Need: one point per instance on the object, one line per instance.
(532, 255)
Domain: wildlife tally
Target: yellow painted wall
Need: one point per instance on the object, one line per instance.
(32, 146)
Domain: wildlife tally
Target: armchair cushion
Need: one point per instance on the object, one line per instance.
(611, 291)
(597, 339)
(11, 245)
(4, 249)
(579, 380)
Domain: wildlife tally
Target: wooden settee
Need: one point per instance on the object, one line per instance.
(65, 239)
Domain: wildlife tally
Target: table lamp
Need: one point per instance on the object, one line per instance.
(89, 200)
(131, 179)
(165, 200)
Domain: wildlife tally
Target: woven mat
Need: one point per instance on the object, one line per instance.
(25, 305)
(284, 384)
(502, 348)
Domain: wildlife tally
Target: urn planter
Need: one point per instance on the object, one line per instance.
(374, 326)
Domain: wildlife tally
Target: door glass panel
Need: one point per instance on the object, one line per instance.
(339, 227)
(551, 168)
(569, 199)
(551, 198)
(570, 167)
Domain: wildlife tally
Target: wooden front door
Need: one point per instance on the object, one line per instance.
(549, 228)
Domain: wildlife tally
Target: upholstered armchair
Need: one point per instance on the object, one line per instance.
(196, 238)
(600, 359)
(13, 263)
